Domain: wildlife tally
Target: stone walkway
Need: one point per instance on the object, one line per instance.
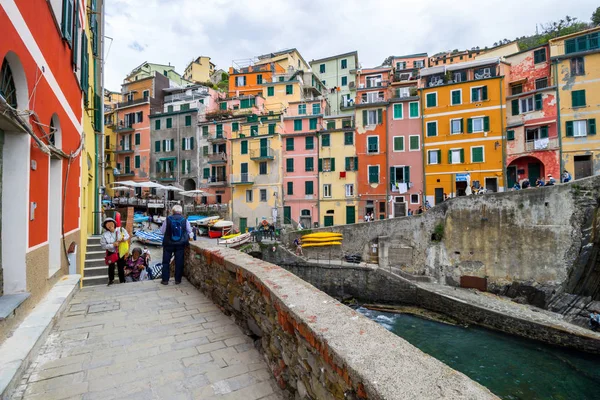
(146, 341)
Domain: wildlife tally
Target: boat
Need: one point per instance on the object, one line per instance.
(205, 221)
(232, 235)
(321, 235)
(321, 244)
(316, 240)
(154, 238)
(237, 240)
(219, 228)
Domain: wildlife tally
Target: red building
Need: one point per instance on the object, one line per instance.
(41, 109)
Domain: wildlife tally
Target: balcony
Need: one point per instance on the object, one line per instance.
(121, 174)
(405, 76)
(217, 180)
(121, 150)
(541, 144)
(109, 149)
(216, 138)
(122, 128)
(347, 104)
(134, 102)
(109, 122)
(218, 115)
(188, 96)
(373, 85)
(406, 92)
(241, 179)
(217, 158)
(262, 154)
(165, 176)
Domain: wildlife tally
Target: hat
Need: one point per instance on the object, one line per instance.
(108, 220)
(549, 174)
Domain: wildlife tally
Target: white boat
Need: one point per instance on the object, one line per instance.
(220, 228)
(205, 221)
(236, 241)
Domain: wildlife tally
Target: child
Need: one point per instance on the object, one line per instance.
(298, 244)
(135, 265)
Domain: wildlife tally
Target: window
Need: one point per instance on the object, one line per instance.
(187, 143)
(205, 130)
(477, 154)
(401, 65)
(309, 164)
(419, 63)
(137, 139)
(271, 91)
(327, 164)
(456, 126)
(253, 130)
(372, 117)
(434, 157)
(169, 108)
(327, 190)
(414, 199)
(156, 146)
(541, 83)
(137, 161)
(157, 124)
(581, 128)
(456, 156)
(539, 56)
(240, 81)
(456, 97)
(413, 109)
(414, 142)
(308, 188)
(526, 105)
(431, 100)
(322, 68)
(259, 80)
(351, 164)
(312, 123)
(399, 174)
(349, 189)
(297, 124)
(316, 108)
(205, 151)
(146, 94)
(309, 143)
(247, 103)
(272, 129)
(344, 81)
(398, 111)
(244, 147)
(373, 173)
(289, 144)
(344, 64)
(169, 123)
(516, 89)
(325, 140)
(186, 166)
(348, 138)
(262, 168)
(168, 145)
(578, 98)
(290, 188)
(263, 195)
(431, 128)
(188, 120)
(219, 130)
(330, 125)
(289, 165)
(249, 196)
(477, 125)
(301, 109)
(577, 66)
(372, 144)
(479, 94)
(235, 126)
(399, 143)
(289, 89)
(223, 105)
(510, 135)
(206, 173)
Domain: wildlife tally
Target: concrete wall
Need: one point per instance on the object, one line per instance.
(315, 346)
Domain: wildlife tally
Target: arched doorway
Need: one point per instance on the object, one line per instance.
(522, 168)
(54, 199)
(14, 176)
(189, 184)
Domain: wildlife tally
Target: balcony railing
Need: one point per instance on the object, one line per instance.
(241, 179)
(196, 95)
(165, 176)
(218, 115)
(541, 144)
(264, 153)
(123, 150)
(118, 173)
(347, 104)
(134, 102)
(373, 85)
(217, 158)
(217, 180)
(405, 76)
(214, 137)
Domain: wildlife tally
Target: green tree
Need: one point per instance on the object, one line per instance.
(596, 17)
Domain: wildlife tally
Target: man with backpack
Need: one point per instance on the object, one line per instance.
(177, 232)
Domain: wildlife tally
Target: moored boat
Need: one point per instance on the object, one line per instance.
(333, 243)
(220, 228)
(236, 240)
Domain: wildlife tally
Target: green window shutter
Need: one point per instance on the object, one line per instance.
(332, 164)
(308, 187)
(414, 142)
(157, 146)
(544, 132)
(320, 165)
(484, 93)
(462, 155)
(76, 33)
(486, 124)
(469, 125)
(430, 100)
(188, 120)
(406, 174)
(477, 154)
(169, 108)
(297, 125)
(316, 109)
(439, 156)
(235, 126)
(223, 105)
(570, 46)
(157, 124)
(183, 144)
(290, 188)
(169, 123)
(244, 147)
(398, 111)
(431, 129)
(325, 140)
(591, 126)
(392, 176)
(309, 164)
(413, 110)
(172, 144)
(449, 157)
(191, 143)
(356, 163)
(379, 116)
(365, 117)
(219, 130)
(510, 135)
(205, 130)
(289, 144)
(205, 151)
(157, 168)
(538, 101)
(137, 161)
(271, 91)
(164, 145)
(206, 173)
(309, 143)
(569, 128)
(514, 106)
(289, 165)
(462, 125)
(259, 80)
(289, 89)
(254, 130)
(347, 164)
(137, 139)
(399, 143)
(130, 141)
(272, 129)
(312, 123)
(456, 97)
(85, 67)
(578, 98)
(67, 20)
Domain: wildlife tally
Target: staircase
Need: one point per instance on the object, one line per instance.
(95, 271)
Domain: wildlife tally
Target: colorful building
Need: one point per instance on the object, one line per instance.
(463, 109)
(338, 75)
(111, 99)
(404, 156)
(576, 71)
(372, 99)
(532, 144)
(199, 71)
(43, 68)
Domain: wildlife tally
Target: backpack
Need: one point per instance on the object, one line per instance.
(178, 229)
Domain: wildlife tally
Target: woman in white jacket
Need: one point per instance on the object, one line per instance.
(110, 240)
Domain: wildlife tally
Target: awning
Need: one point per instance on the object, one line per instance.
(441, 69)
(472, 64)
(167, 158)
(541, 123)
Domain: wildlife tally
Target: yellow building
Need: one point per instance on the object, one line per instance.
(200, 70)
(289, 59)
(338, 199)
(463, 111)
(111, 99)
(576, 71)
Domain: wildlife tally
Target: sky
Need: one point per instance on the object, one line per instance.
(177, 31)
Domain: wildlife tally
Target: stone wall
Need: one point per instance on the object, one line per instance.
(315, 346)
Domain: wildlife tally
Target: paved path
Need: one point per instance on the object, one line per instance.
(146, 341)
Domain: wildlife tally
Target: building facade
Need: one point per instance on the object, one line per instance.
(338, 75)
(576, 61)
(111, 99)
(199, 71)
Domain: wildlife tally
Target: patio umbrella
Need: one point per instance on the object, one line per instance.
(122, 188)
(197, 192)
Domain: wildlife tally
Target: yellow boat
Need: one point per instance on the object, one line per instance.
(327, 239)
(321, 244)
(320, 235)
(230, 236)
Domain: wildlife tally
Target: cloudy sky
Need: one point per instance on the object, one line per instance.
(176, 31)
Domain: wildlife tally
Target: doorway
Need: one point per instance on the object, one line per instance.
(439, 195)
(328, 220)
(534, 172)
(350, 215)
(491, 184)
(461, 189)
(243, 225)
(583, 166)
(305, 219)
(287, 214)
(511, 176)
(54, 217)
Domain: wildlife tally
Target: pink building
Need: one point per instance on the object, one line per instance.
(300, 166)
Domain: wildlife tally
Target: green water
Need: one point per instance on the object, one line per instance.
(511, 367)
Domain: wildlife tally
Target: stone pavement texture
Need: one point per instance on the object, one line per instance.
(146, 341)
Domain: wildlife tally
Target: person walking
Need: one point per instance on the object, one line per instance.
(177, 232)
(112, 237)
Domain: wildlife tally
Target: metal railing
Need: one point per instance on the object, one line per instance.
(239, 179)
(165, 176)
(214, 158)
(133, 102)
(264, 153)
(541, 144)
(215, 137)
(216, 180)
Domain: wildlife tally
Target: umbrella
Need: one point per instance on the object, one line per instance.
(122, 188)
(197, 192)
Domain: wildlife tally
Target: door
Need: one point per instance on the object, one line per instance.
(287, 215)
(439, 195)
(264, 147)
(534, 172)
(328, 220)
(399, 209)
(461, 189)
(244, 169)
(127, 165)
(583, 166)
(511, 174)
(243, 225)
(350, 215)
(491, 184)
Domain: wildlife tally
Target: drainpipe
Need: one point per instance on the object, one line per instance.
(424, 152)
(100, 147)
(318, 144)
(178, 153)
(502, 116)
(558, 123)
(387, 166)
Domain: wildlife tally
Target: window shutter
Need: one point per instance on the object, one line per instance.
(172, 144)
(347, 167)
(183, 166)
(569, 128)
(462, 155)
(157, 146)
(191, 143)
(130, 141)
(486, 124)
(85, 68)
(392, 175)
(164, 145)
(591, 126)
(183, 144)
(538, 101)
(449, 157)
(439, 156)
(406, 174)
(462, 125)
(469, 125)
(356, 163)
(365, 118)
(510, 135)
(67, 20)
(332, 164)
(379, 116)
(320, 165)
(484, 93)
(158, 166)
(514, 107)
(544, 132)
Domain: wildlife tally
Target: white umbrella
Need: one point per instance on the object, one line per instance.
(122, 188)
(196, 192)
(127, 183)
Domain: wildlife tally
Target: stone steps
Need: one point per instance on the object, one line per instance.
(95, 271)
